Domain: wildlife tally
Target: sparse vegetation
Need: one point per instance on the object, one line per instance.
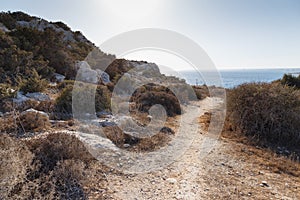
(34, 83)
(51, 167)
(266, 113)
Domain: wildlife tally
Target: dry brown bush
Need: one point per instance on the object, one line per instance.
(52, 167)
(119, 138)
(201, 91)
(63, 146)
(151, 94)
(115, 134)
(154, 142)
(34, 121)
(15, 161)
(9, 124)
(204, 120)
(269, 114)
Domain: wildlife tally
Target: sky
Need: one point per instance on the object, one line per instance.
(233, 33)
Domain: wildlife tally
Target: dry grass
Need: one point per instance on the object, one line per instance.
(53, 167)
(8, 124)
(247, 149)
(239, 169)
(264, 157)
(15, 161)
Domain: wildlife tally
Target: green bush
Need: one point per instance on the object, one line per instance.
(269, 113)
(64, 101)
(102, 98)
(290, 80)
(6, 91)
(33, 83)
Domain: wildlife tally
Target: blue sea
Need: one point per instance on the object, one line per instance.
(234, 77)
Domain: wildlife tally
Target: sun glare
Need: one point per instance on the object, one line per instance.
(131, 10)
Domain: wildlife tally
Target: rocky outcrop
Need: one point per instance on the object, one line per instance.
(145, 69)
(37, 96)
(41, 25)
(86, 74)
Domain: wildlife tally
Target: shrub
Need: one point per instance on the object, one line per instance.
(117, 68)
(33, 84)
(291, 81)
(34, 121)
(55, 148)
(6, 91)
(115, 134)
(103, 98)
(52, 167)
(170, 102)
(63, 103)
(151, 94)
(201, 91)
(152, 143)
(9, 124)
(268, 112)
(15, 161)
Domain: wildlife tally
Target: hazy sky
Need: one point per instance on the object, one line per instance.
(234, 33)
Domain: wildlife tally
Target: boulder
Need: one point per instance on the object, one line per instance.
(20, 98)
(103, 76)
(107, 123)
(38, 96)
(86, 74)
(146, 69)
(31, 110)
(58, 77)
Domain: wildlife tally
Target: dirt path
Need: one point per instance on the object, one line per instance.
(230, 171)
(181, 179)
